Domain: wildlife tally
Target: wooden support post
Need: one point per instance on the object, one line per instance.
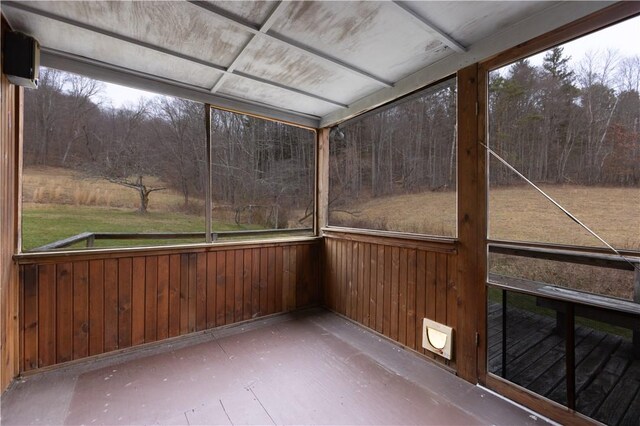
(209, 185)
(322, 173)
(471, 263)
(11, 126)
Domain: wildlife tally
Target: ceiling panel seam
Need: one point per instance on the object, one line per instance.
(307, 50)
(264, 28)
(163, 50)
(431, 27)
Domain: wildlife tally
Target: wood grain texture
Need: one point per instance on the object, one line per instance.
(391, 288)
(110, 305)
(472, 206)
(174, 294)
(585, 25)
(163, 297)
(64, 312)
(12, 296)
(96, 307)
(47, 315)
(124, 302)
(137, 301)
(78, 308)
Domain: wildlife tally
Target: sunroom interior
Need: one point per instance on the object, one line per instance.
(395, 212)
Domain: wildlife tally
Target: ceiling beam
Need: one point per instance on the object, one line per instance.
(275, 14)
(306, 50)
(130, 40)
(431, 27)
(263, 29)
(139, 80)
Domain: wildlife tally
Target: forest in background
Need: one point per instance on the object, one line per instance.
(159, 144)
(555, 124)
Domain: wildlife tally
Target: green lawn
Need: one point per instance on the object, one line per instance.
(44, 224)
(528, 303)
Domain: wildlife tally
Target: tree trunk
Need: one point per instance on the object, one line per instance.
(144, 200)
(144, 196)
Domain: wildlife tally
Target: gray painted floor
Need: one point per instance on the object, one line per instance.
(312, 367)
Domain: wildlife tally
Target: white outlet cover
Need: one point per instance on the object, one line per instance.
(437, 338)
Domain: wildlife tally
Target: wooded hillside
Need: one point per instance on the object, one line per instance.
(553, 123)
(254, 162)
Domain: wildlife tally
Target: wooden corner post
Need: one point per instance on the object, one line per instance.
(322, 200)
(472, 211)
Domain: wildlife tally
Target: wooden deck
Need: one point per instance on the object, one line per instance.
(607, 376)
(310, 367)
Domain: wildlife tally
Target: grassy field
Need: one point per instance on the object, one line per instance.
(515, 213)
(46, 223)
(49, 185)
(521, 213)
(59, 203)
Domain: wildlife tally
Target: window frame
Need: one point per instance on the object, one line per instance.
(594, 22)
(308, 233)
(399, 235)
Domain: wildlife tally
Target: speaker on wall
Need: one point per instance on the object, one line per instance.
(21, 59)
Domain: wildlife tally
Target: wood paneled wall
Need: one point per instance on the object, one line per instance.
(72, 309)
(10, 99)
(390, 285)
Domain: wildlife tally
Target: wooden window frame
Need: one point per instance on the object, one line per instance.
(599, 20)
(323, 181)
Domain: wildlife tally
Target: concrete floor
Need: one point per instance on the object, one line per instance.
(312, 367)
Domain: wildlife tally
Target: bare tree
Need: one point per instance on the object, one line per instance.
(44, 105)
(179, 127)
(128, 157)
(82, 101)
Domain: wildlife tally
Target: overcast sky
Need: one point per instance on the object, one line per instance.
(624, 37)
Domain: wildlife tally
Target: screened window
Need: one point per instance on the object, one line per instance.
(394, 169)
(111, 166)
(101, 159)
(263, 175)
(563, 128)
(568, 120)
(564, 172)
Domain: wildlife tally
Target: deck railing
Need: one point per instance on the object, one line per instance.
(567, 302)
(91, 237)
(625, 262)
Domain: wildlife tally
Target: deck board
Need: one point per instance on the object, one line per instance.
(607, 375)
(311, 367)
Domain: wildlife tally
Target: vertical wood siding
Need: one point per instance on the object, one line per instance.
(391, 287)
(10, 100)
(75, 308)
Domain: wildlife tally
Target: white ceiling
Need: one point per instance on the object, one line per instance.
(313, 63)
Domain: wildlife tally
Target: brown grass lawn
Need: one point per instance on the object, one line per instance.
(521, 213)
(49, 185)
(515, 213)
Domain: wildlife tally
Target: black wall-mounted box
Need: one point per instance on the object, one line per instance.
(21, 59)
